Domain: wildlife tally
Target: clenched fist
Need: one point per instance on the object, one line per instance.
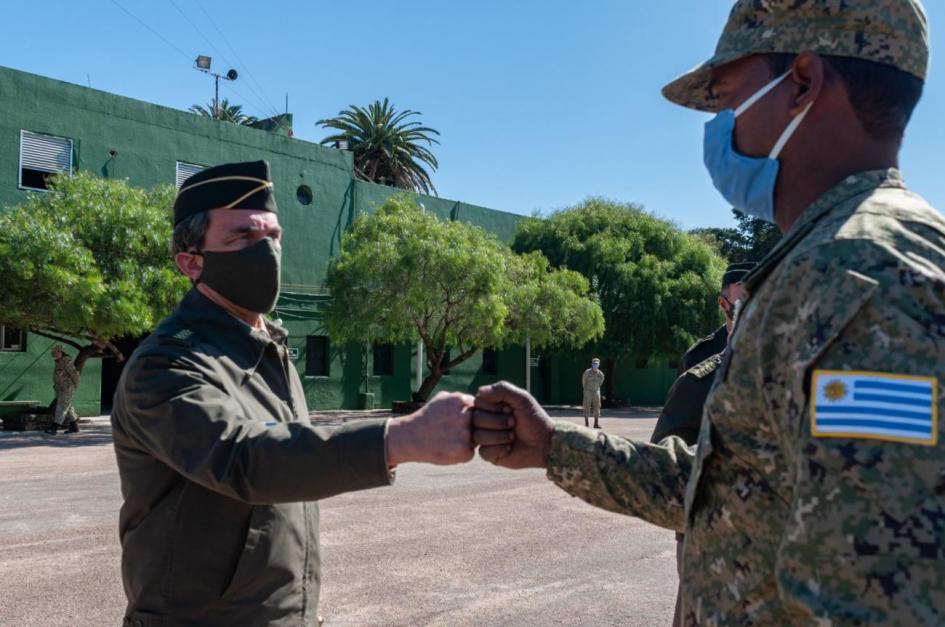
(439, 433)
(510, 427)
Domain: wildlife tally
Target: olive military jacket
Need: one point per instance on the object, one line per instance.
(681, 415)
(219, 466)
(703, 349)
(788, 518)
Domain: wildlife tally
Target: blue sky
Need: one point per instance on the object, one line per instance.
(540, 103)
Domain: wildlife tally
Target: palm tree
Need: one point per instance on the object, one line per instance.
(386, 146)
(226, 112)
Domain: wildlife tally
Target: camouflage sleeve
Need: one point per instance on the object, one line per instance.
(865, 541)
(72, 373)
(620, 475)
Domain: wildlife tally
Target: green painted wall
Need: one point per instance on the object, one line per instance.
(148, 140)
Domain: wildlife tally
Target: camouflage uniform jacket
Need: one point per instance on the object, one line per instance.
(65, 377)
(783, 526)
(591, 380)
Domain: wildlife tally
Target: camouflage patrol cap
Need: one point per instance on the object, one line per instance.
(891, 32)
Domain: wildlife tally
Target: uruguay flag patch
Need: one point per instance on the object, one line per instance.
(874, 405)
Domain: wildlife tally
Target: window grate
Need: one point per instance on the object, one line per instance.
(42, 155)
(186, 170)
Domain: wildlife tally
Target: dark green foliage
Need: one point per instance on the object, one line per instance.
(751, 240)
(656, 285)
(403, 275)
(88, 261)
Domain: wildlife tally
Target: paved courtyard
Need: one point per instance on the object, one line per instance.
(445, 546)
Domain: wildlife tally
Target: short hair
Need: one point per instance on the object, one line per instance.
(190, 233)
(883, 96)
(596, 359)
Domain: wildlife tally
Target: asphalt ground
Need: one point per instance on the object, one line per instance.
(466, 545)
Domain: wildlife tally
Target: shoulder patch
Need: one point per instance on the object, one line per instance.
(707, 367)
(874, 406)
(181, 337)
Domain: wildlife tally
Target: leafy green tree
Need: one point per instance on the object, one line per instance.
(226, 112)
(88, 262)
(657, 286)
(403, 275)
(751, 240)
(388, 149)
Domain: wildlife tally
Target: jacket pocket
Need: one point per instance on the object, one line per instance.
(252, 560)
(143, 619)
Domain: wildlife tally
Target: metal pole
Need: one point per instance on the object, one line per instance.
(216, 97)
(528, 364)
(420, 341)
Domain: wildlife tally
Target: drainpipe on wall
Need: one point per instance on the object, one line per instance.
(420, 341)
(528, 364)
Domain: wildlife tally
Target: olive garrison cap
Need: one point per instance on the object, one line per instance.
(228, 186)
(736, 272)
(891, 32)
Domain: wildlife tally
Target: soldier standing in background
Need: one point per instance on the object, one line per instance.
(681, 415)
(815, 492)
(65, 383)
(591, 381)
(715, 343)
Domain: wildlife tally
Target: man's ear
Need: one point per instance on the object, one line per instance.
(807, 76)
(190, 265)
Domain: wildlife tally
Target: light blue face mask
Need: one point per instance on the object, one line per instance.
(745, 182)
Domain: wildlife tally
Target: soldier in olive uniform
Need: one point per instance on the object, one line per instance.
(716, 342)
(65, 384)
(219, 462)
(815, 493)
(591, 381)
(681, 415)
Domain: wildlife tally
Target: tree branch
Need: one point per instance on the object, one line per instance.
(57, 338)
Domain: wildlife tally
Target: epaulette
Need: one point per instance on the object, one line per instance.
(705, 368)
(180, 337)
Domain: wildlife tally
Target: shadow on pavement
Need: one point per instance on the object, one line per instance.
(90, 435)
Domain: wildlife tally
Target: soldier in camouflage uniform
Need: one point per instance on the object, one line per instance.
(591, 381)
(65, 382)
(816, 492)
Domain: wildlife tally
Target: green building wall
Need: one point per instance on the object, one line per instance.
(118, 137)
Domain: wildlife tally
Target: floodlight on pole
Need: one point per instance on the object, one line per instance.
(202, 63)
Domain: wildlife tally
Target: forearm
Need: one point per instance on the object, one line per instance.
(621, 475)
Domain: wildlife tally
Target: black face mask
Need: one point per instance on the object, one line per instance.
(730, 311)
(248, 277)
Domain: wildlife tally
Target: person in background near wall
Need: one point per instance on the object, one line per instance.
(65, 383)
(591, 381)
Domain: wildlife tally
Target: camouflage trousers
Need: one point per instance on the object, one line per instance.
(592, 404)
(64, 407)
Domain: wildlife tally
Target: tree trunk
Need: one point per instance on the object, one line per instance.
(84, 354)
(427, 387)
